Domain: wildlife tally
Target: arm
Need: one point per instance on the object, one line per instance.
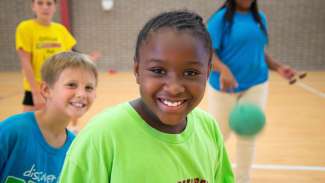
(284, 70)
(94, 55)
(215, 28)
(25, 60)
(227, 80)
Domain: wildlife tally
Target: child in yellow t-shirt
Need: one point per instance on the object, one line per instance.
(36, 40)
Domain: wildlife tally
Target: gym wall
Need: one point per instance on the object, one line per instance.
(296, 28)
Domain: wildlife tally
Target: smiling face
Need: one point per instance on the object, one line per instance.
(72, 94)
(171, 71)
(44, 10)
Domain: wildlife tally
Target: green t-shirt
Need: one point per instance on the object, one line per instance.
(118, 146)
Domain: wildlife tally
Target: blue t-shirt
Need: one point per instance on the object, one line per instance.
(25, 156)
(241, 49)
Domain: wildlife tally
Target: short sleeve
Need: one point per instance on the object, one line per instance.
(69, 40)
(24, 37)
(3, 147)
(215, 29)
(224, 172)
(87, 159)
(264, 19)
(7, 140)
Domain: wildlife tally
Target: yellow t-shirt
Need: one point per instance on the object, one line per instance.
(42, 42)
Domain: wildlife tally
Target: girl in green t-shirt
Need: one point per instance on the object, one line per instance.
(159, 137)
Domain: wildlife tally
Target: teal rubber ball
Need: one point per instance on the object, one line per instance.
(246, 119)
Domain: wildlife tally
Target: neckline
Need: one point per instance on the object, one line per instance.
(243, 13)
(40, 138)
(163, 136)
(42, 25)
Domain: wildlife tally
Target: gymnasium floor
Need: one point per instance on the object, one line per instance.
(291, 149)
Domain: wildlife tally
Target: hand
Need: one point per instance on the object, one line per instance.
(95, 55)
(286, 72)
(227, 81)
(38, 100)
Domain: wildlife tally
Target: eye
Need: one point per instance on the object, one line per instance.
(49, 3)
(89, 88)
(158, 71)
(191, 73)
(40, 3)
(71, 85)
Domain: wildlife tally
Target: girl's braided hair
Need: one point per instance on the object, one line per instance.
(181, 20)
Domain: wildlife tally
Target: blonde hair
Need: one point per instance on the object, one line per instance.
(53, 66)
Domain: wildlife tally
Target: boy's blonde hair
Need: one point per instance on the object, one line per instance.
(53, 66)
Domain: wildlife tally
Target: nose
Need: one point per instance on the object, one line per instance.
(174, 86)
(81, 93)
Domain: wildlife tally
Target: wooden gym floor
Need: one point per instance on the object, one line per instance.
(291, 148)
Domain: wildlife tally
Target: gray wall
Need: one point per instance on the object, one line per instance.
(297, 28)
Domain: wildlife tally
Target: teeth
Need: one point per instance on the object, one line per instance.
(170, 103)
(78, 104)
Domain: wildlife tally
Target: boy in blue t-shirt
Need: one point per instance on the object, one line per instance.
(33, 145)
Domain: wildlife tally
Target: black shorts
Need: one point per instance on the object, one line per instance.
(28, 98)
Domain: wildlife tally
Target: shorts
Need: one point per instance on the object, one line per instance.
(28, 98)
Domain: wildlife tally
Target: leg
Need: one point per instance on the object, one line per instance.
(220, 105)
(246, 146)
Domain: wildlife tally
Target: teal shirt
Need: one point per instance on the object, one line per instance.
(25, 155)
(119, 147)
(241, 49)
